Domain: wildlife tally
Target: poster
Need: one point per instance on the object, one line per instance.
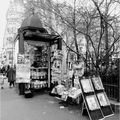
(78, 67)
(20, 59)
(23, 69)
(92, 102)
(97, 83)
(103, 99)
(87, 85)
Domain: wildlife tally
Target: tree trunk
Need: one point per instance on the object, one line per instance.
(74, 31)
(106, 44)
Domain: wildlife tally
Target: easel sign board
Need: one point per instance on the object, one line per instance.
(91, 103)
(105, 104)
(96, 103)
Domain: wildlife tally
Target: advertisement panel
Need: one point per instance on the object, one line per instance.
(23, 69)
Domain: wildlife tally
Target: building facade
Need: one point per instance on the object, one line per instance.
(14, 18)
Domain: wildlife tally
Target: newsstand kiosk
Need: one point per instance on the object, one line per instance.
(36, 51)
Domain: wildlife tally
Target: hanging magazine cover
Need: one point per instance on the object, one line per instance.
(87, 85)
(102, 97)
(98, 83)
(78, 67)
(92, 102)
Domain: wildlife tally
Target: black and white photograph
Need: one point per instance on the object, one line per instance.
(103, 99)
(92, 102)
(58, 45)
(97, 83)
(87, 85)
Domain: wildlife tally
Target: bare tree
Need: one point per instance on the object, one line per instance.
(96, 22)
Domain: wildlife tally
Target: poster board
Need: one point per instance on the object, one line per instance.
(95, 99)
(23, 69)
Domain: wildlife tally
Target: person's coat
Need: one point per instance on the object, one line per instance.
(11, 75)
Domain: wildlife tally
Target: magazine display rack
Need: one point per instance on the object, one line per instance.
(39, 68)
(95, 101)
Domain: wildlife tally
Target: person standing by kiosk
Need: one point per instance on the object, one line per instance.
(11, 76)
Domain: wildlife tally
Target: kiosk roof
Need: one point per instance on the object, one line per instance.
(32, 21)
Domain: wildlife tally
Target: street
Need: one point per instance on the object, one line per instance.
(40, 107)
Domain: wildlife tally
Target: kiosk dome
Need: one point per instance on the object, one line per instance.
(32, 21)
(32, 30)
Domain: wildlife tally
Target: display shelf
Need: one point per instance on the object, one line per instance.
(38, 84)
(38, 79)
(39, 68)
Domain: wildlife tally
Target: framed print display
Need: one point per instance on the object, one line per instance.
(97, 83)
(102, 97)
(92, 102)
(87, 85)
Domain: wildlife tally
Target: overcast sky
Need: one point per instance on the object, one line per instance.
(3, 9)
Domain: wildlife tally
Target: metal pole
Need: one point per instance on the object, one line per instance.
(119, 79)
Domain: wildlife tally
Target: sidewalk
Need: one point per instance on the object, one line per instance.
(40, 107)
